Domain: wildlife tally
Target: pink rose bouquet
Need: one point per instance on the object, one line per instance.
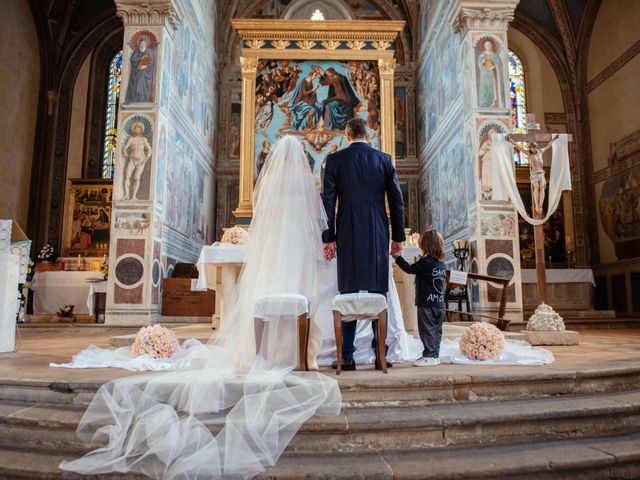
(482, 341)
(155, 340)
(235, 236)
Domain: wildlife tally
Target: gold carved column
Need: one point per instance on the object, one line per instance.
(247, 125)
(386, 67)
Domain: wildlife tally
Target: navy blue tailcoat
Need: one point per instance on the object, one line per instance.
(357, 179)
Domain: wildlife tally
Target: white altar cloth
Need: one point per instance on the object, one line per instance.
(402, 347)
(53, 290)
(9, 277)
(561, 275)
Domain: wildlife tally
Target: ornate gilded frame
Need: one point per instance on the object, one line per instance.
(368, 40)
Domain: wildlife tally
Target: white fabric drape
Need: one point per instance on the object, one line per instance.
(504, 179)
(230, 414)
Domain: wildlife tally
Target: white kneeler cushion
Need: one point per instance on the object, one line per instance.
(359, 306)
(269, 307)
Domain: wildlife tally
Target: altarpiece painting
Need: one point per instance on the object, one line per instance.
(308, 79)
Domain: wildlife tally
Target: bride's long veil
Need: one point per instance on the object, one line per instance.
(236, 409)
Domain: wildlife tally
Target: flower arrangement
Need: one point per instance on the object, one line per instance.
(482, 341)
(235, 236)
(104, 267)
(155, 340)
(47, 254)
(545, 319)
(66, 311)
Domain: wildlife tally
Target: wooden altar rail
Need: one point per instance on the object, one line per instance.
(499, 321)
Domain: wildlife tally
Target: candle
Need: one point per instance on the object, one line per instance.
(78, 262)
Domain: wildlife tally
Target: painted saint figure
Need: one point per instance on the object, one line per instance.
(341, 102)
(262, 156)
(139, 89)
(536, 170)
(304, 107)
(137, 153)
(489, 65)
(485, 169)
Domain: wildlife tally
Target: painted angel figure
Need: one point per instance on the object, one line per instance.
(536, 170)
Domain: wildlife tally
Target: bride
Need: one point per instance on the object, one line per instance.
(233, 411)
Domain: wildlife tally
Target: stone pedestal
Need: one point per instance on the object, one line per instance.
(565, 337)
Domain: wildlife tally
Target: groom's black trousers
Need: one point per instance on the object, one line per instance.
(349, 334)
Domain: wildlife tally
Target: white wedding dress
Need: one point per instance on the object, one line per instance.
(230, 412)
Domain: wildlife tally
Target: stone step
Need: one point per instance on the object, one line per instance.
(52, 427)
(599, 458)
(401, 386)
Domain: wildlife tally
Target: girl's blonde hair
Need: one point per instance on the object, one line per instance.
(432, 244)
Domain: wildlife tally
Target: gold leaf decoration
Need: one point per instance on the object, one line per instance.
(356, 45)
(380, 45)
(255, 43)
(331, 44)
(280, 44)
(306, 44)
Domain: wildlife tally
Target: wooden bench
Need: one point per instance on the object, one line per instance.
(499, 320)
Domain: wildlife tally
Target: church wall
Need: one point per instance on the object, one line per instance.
(20, 75)
(613, 99)
(184, 177)
(76, 131)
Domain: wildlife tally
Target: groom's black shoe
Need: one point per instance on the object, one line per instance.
(348, 365)
(389, 364)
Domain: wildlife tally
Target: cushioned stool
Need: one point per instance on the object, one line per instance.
(361, 306)
(270, 308)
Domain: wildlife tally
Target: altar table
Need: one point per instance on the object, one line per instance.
(219, 267)
(53, 290)
(568, 289)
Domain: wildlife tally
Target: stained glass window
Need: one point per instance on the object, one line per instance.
(111, 116)
(518, 100)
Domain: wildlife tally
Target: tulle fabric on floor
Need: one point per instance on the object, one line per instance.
(231, 411)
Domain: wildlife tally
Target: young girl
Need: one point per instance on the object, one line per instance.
(430, 278)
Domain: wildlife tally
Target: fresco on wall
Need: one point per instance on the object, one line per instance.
(490, 71)
(452, 187)
(189, 76)
(619, 210)
(141, 83)
(400, 114)
(161, 161)
(438, 83)
(190, 189)
(497, 225)
(485, 170)
(131, 223)
(313, 101)
(136, 157)
(433, 196)
(234, 126)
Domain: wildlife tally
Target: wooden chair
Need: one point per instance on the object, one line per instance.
(499, 321)
(273, 307)
(361, 306)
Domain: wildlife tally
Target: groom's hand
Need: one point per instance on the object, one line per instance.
(330, 251)
(396, 249)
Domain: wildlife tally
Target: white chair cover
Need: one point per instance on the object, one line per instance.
(359, 306)
(268, 307)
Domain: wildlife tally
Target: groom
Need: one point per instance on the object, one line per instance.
(358, 178)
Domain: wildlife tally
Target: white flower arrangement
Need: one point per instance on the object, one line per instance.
(155, 340)
(482, 341)
(46, 254)
(235, 236)
(545, 319)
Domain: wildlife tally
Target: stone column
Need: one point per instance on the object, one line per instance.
(133, 291)
(493, 225)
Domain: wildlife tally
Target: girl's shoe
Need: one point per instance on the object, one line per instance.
(426, 362)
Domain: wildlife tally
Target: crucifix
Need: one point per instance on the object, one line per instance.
(534, 153)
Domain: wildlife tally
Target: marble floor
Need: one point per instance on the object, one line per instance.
(36, 348)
